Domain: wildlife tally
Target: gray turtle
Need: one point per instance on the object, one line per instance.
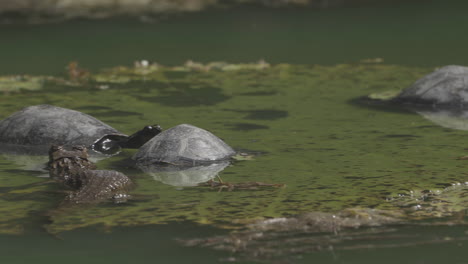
(184, 145)
(447, 86)
(41, 126)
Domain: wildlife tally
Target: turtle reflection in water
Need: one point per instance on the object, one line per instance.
(441, 97)
(74, 170)
(36, 128)
(186, 155)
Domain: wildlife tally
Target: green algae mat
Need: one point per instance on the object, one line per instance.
(301, 126)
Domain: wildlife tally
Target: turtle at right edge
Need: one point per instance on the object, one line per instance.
(446, 87)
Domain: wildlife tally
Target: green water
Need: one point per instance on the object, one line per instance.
(332, 154)
(416, 33)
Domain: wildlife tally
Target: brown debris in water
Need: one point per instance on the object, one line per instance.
(280, 240)
(76, 73)
(239, 186)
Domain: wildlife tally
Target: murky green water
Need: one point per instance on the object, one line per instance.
(330, 152)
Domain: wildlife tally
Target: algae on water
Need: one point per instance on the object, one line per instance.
(330, 153)
(18, 83)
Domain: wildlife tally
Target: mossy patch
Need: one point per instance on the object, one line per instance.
(18, 83)
(330, 154)
(384, 96)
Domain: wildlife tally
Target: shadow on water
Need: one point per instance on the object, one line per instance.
(260, 93)
(92, 108)
(262, 114)
(384, 106)
(184, 95)
(114, 113)
(148, 244)
(453, 118)
(245, 126)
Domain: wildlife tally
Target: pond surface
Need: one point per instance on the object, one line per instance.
(299, 119)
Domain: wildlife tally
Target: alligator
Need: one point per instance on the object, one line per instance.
(73, 169)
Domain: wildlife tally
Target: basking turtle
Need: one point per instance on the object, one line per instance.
(447, 86)
(184, 145)
(41, 126)
(74, 170)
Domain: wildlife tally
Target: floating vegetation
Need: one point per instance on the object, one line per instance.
(148, 11)
(281, 240)
(384, 96)
(219, 185)
(75, 72)
(17, 83)
(146, 71)
(331, 154)
(424, 204)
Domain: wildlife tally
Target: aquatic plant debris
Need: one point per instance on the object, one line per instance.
(220, 185)
(148, 11)
(281, 240)
(424, 204)
(287, 238)
(146, 71)
(384, 96)
(331, 154)
(17, 83)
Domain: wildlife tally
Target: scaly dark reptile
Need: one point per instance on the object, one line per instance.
(74, 170)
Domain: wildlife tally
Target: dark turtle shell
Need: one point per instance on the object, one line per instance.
(447, 86)
(184, 145)
(45, 125)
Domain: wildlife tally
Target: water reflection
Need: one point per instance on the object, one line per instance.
(26, 158)
(34, 158)
(184, 176)
(453, 118)
(449, 118)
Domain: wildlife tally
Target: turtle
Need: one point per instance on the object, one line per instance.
(183, 145)
(41, 126)
(445, 87)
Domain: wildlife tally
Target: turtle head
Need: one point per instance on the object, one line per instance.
(109, 144)
(139, 138)
(150, 131)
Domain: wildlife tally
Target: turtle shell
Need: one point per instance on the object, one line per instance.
(184, 145)
(44, 125)
(446, 86)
